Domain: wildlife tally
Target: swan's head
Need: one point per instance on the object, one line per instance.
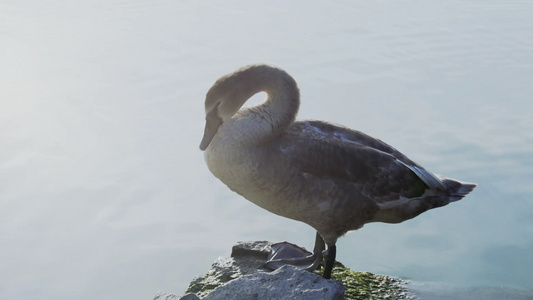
(225, 98)
(230, 92)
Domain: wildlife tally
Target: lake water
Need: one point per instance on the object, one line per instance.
(104, 193)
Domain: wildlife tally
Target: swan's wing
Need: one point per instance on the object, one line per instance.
(324, 130)
(354, 160)
(351, 136)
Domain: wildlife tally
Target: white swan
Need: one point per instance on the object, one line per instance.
(333, 178)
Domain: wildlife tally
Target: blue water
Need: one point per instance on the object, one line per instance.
(105, 195)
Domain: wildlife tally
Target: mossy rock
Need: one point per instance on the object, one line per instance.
(248, 258)
(366, 285)
(359, 285)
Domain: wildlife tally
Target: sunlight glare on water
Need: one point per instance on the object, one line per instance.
(104, 193)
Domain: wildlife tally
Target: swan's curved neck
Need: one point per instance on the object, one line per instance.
(261, 123)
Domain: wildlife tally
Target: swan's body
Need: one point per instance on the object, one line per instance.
(333, 178)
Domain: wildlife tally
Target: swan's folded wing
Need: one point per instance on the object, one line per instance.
(356, 165)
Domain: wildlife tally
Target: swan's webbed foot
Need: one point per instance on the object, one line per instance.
(286, 253)
(289, 254)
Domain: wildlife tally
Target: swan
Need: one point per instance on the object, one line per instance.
(330, 177)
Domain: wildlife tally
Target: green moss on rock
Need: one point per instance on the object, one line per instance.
(365, 285)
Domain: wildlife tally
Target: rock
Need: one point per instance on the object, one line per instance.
(287, 282)
(189, 297)
(163, 296)
(246, 259)
(241, 276)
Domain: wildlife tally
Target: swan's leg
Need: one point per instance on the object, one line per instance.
(286, 253)
(329, 260)
(317, 252)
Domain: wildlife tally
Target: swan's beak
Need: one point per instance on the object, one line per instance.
(212, 122)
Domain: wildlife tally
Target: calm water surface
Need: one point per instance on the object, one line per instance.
(105, 195)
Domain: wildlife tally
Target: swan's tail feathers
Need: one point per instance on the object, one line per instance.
(457, 189)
